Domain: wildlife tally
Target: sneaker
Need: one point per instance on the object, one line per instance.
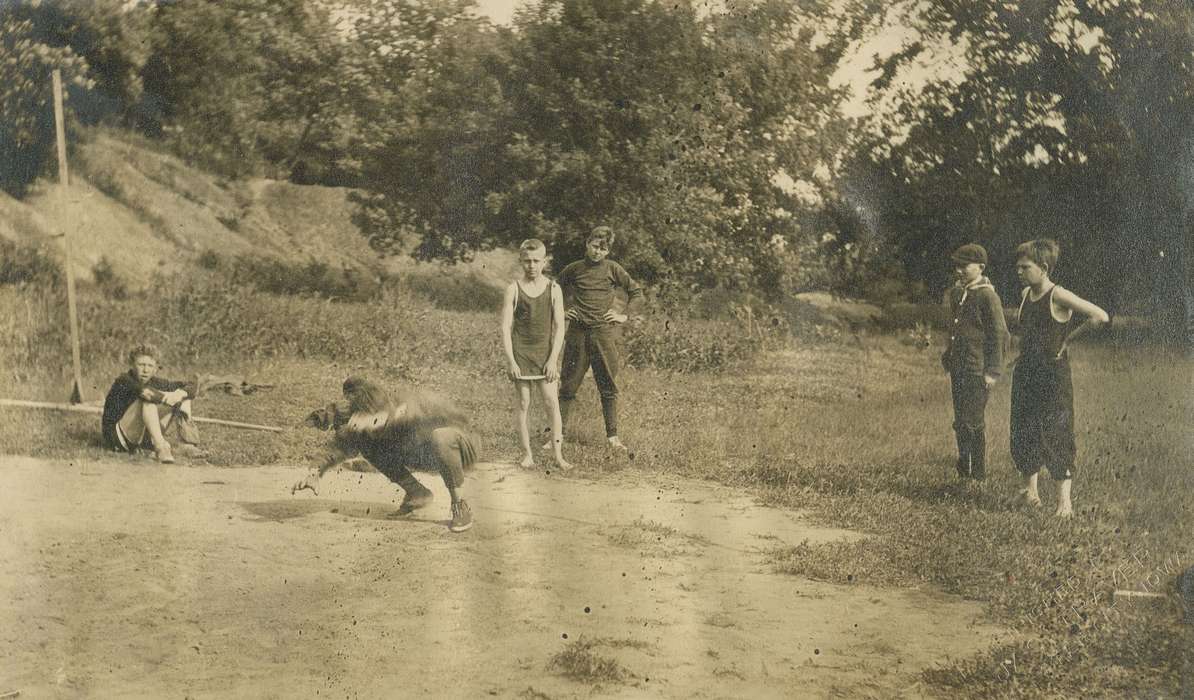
(462, 516)
(414, 500)
(164, 455)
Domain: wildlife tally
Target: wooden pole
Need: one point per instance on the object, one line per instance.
(76, 395)
(88, 408)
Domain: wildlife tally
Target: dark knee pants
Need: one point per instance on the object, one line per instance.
(448, 450)
(970, 407)
(1042, 420)
(599, 347)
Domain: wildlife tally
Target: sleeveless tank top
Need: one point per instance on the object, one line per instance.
(531, 334)
(1041, 335)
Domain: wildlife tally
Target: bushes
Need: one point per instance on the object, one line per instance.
(687, 345)
(310, 279)
(26, 265)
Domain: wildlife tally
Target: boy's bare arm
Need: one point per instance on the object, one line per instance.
(508, 302)
(1093, 315)
(557, 337)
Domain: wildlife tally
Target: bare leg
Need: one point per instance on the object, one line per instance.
(523, 391)
(153, 426)
(1031, 496)
(1065, 508)
(552, 402)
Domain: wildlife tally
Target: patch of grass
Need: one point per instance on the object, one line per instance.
(581, 661)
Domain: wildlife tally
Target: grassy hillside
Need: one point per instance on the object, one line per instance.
(146, 212)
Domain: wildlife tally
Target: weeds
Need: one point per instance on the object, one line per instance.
(29, 266)
(580, 661)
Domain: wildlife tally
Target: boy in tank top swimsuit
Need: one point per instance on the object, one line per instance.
(1042, 417)
(532, 337)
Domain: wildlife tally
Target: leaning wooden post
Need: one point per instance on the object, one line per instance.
(76, 395)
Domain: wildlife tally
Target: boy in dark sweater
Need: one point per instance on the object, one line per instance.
(594, 335)
(974, 357)
(141, 406)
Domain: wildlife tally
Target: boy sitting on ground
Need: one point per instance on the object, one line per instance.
(141, 406)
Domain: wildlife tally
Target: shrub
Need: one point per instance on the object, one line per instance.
(108, 280)
(688, 345)
(27, 265)
(314, 278)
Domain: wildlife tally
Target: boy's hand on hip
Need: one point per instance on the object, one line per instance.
(614, 317)
(989, 381)
(571, 314)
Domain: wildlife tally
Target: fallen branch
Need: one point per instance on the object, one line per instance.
(87, 408)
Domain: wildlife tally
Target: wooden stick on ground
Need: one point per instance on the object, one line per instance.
(88, 408)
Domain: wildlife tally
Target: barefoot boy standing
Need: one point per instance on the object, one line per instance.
(974, 357)
(532, 336)
(1042, 420)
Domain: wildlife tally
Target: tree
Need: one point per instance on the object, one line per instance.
(1069, 120)
(244, 84)
(668, 125)
(27, 130)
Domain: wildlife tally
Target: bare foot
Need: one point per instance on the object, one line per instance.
(1065, 511)
(563, 464)
(1032, 498)
(528, 461)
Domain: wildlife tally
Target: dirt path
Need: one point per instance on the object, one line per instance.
(129, 579)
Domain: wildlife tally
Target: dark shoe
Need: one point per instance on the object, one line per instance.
(462, 516)
(414, 500)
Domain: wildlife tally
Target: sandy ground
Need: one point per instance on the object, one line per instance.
(128, 579)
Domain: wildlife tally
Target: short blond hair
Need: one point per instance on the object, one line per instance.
(144, 350)
(532, 245)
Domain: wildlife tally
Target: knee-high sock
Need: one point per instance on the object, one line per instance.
(978, 453)
(609, 411)
(408, 483)
(565, 409)
(962, 435)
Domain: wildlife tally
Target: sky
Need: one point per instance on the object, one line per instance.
(498, 11)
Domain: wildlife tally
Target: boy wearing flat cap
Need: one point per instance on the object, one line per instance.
(974, 357)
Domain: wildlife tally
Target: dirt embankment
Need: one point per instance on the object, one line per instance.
(125, 578)
(145, 211)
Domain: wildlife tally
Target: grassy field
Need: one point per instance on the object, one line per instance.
(855, 433)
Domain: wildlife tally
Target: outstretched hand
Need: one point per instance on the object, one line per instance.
(311, 481)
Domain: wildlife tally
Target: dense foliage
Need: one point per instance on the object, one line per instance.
(716, 142)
